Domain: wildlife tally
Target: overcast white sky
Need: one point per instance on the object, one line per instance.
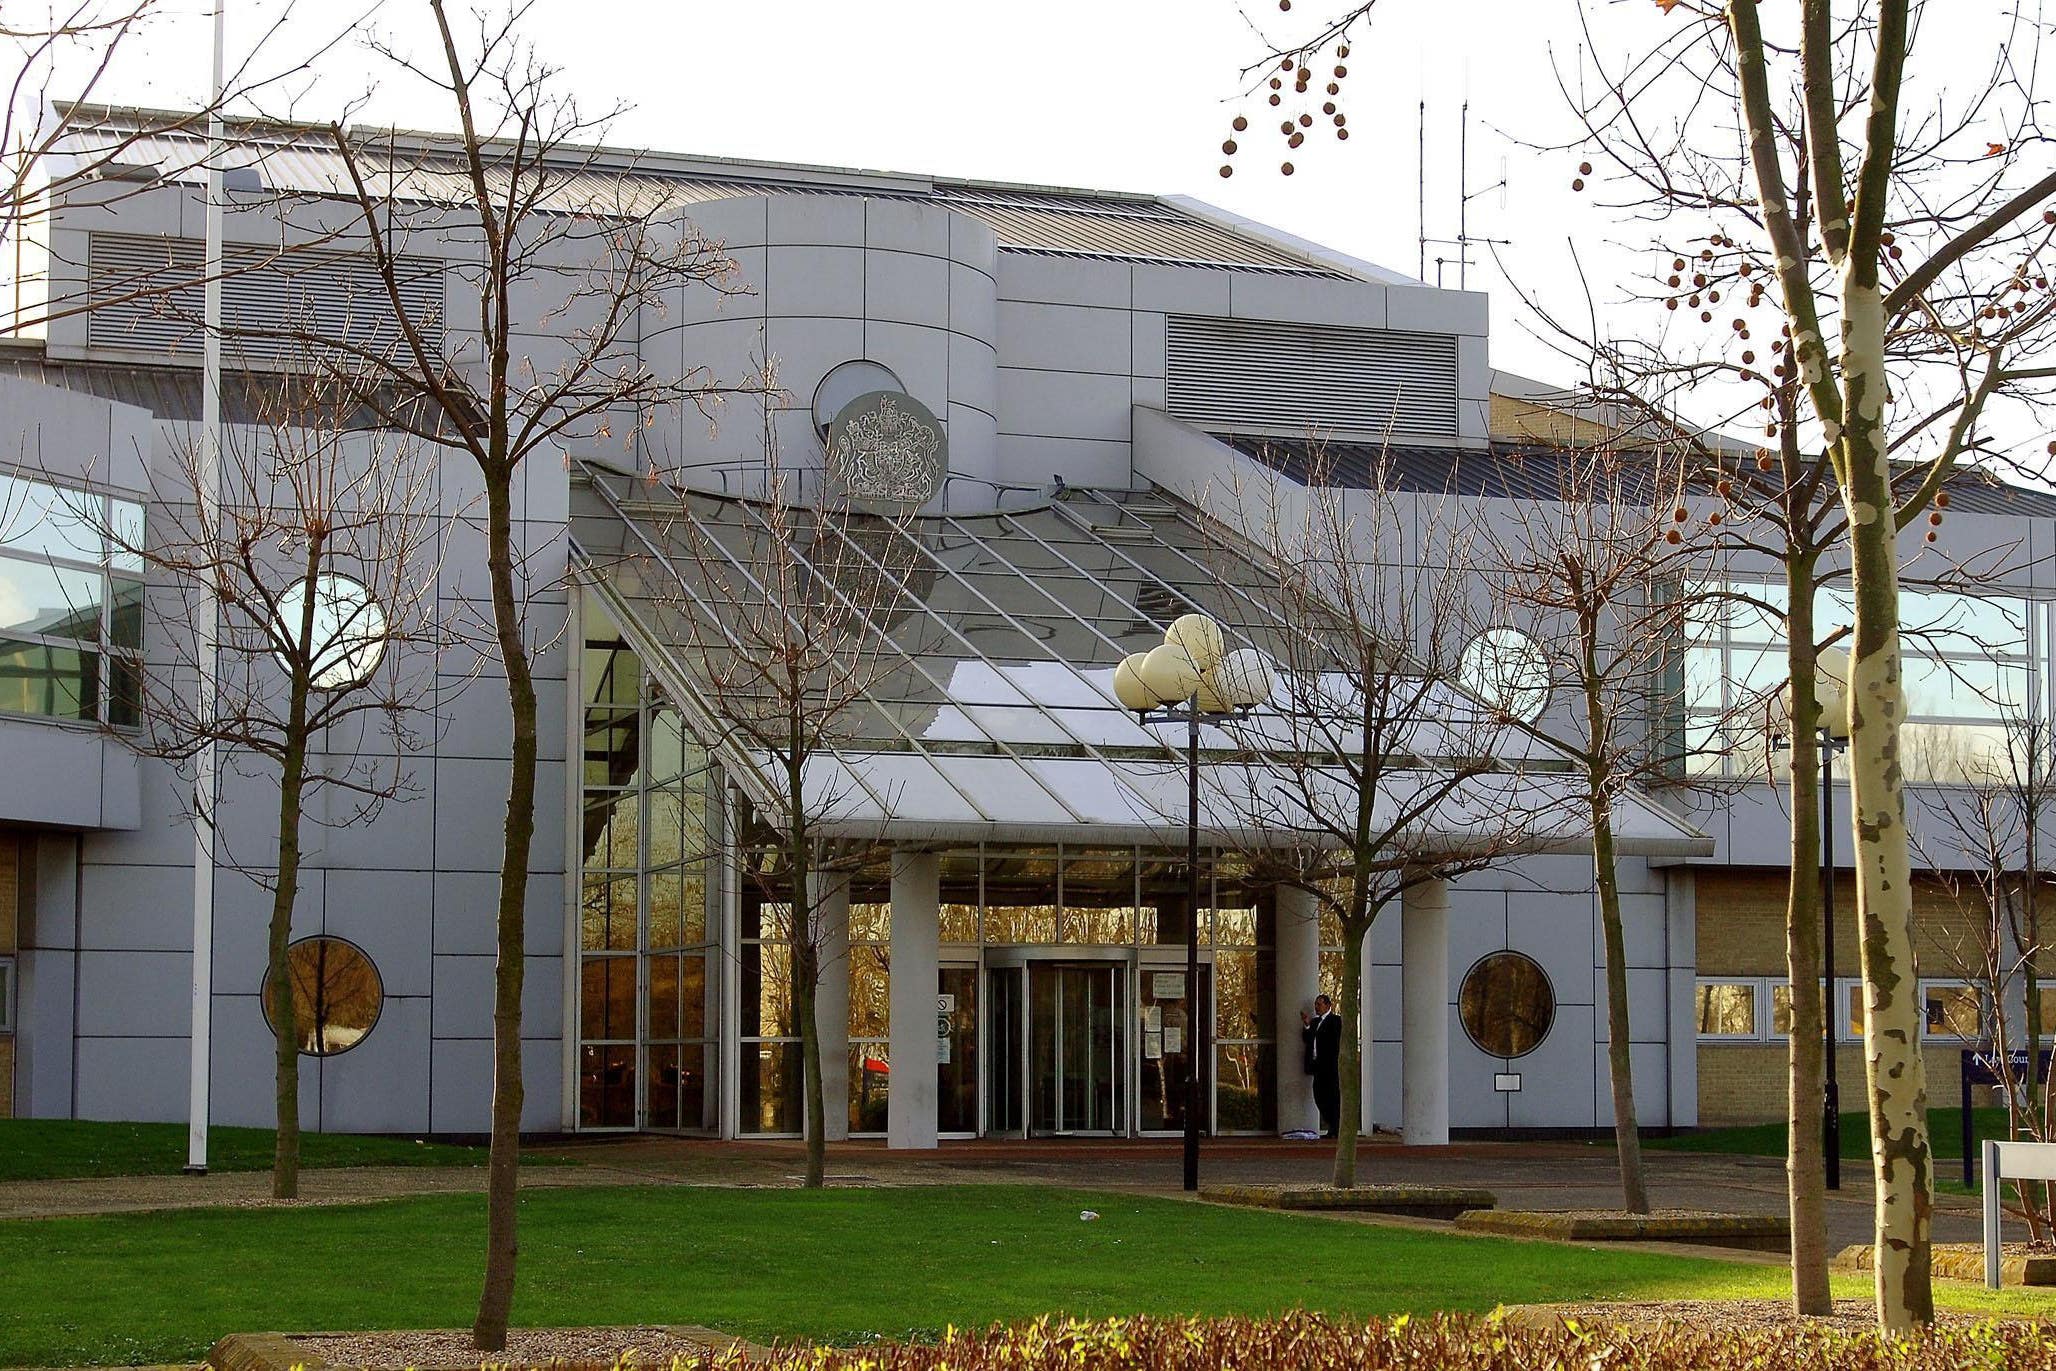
(1116, 94)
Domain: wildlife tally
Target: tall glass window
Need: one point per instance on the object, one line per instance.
(1246, 1009)
(648, 981)
(71, 604)
(1973, 663)
(870, 1076)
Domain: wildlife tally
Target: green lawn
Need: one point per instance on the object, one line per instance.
(53, 1149)
(836, 1265)
(1945, 1130)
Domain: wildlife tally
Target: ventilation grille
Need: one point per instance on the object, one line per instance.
(278, 308)
(1257, 376)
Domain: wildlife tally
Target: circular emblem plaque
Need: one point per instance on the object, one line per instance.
(886, 450)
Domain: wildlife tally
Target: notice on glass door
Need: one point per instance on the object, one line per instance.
(1174, 1039)
(1152, 1044)
(1167, 985)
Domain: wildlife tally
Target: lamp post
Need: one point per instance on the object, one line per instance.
(1189, 679)
(1831, 670)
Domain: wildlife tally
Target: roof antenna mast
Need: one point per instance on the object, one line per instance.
(1421, 195)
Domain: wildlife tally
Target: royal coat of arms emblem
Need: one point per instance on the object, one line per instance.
(886, 449)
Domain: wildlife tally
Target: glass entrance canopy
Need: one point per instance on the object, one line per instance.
(987, 708)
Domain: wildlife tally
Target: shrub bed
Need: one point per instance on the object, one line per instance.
(1307, 1342)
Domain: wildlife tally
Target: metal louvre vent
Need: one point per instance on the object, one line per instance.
(276, 305)
(1260, 376)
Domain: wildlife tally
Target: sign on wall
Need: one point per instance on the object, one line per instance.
(886, 452)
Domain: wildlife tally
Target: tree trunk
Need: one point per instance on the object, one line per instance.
(1620, 1058)
(806, 970)
(278, 983)
(1627, 1138)
(1897, 1077)
(1805, 1052)
(496, 1298)
(1351, 1112)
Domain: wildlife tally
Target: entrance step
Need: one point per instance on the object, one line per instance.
(1414, 1201)
(1748, 1232)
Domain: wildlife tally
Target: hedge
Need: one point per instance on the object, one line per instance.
(1308, 1342)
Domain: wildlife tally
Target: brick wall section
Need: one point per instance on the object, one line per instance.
(1741, 932)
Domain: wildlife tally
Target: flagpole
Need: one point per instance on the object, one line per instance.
(205, 782)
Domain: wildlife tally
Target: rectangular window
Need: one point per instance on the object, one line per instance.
(870, 1015)
(1728, 1010)
(6, 994)
(1849, 994)
(1951, 1009)
(649, 984)
(1972, 663)
(71, 631)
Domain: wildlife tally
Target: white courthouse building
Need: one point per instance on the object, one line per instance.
(1009, 959)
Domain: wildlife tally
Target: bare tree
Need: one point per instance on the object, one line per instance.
(782, 604)
(541, 232)
(1372, 772)
(1907, 312)
(1605, 574)
(319, 568)
(1996, 816)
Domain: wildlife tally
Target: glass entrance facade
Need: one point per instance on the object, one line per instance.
(1062, 1007)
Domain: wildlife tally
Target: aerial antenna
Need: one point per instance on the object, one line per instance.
(1421, 196)
(1463, 241)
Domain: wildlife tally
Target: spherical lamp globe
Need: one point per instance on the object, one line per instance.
(1200, 636)
(1242, 678)
(1169, 673)
(1128, 686)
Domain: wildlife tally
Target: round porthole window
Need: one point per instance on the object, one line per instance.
(337, 995)
(349, 629)
(846, 381)
(1507, 1004)
(1507, 669)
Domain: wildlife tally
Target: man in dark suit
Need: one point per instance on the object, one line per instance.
(1322, 1030)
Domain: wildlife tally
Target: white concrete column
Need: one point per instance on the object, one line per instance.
(916, 927)
(832, 1000)
(1299, 980)
(1366, 1042)
(1424, 1013)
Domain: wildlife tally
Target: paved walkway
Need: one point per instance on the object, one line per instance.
(1524, 1175)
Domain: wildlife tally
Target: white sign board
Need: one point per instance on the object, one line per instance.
(2020, 1161)
(945, 1004)
(1167, 985)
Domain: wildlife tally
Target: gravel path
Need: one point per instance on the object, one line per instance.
(449, 1349)
(252, 1189)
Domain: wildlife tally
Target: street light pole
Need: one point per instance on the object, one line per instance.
(1196, 1031)
(1192, 680)
(1831, 1094)
(1830, 674)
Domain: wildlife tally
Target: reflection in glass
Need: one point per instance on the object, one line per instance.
(606, 1087)
(1507, 669)
(56, 682)
(607, 998)
(607, 913)
(1244, 1101)
(1725, 1009)
(49, 601)
(1507, 1004)
(336, 995)
(870, 1085)
(346, 635)
(957, 1071)
(771, 1088)
(1952, 1011)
